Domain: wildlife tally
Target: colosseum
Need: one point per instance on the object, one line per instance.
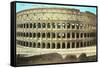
(55, 30)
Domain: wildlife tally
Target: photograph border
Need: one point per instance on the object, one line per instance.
(13, 32)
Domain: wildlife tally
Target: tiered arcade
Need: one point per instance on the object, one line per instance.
(55, 28)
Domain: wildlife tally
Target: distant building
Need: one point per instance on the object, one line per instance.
(61, 30)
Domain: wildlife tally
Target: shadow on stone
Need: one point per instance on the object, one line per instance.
(40, 59)
(70, 58)
(82, 57)
(52, 58)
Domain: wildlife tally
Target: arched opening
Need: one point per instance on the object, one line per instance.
(30, 25)
(34, 35)
(53, 45)
(63, 25)
(88, 43)
(77, 44)
(81, 44)
(77, 35)
(81, 35)
(88, 35)
(53, 35)
(68, 26)
(48, 25)
(34, 44)
(63, 45)
(73, 26)
(73, 35)
(27, 26)
(43, 45)
(30, 44)
(68, 45)
(48, 45)
(68, 35)
(24, 25)
(81, 26)
(84, 34)
(43, 25)
(38, 35)
(53, 25)
(43, 35)
(77, 26)
(58, 45)
(26, 44)
(73, 44)
(30, 34)
(84, 44)
(63, 35)
(38, 25)
(26, 34)
(48, 35)
(58, 35)
(58, 25)
(38, 45)
(34, 25)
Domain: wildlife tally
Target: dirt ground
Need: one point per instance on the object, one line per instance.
(52, 58)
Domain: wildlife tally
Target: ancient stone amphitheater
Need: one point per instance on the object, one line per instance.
(55, 30)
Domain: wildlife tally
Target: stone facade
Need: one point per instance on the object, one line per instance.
(56, 29)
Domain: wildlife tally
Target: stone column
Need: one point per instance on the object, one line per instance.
(66, 45)
(56, 45)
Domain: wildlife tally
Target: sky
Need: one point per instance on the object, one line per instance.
(24, 6)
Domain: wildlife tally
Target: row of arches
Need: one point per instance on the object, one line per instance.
(55, 35)
(57, 45)
(51, 25)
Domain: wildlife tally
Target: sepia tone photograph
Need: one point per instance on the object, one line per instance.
(54, 33)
